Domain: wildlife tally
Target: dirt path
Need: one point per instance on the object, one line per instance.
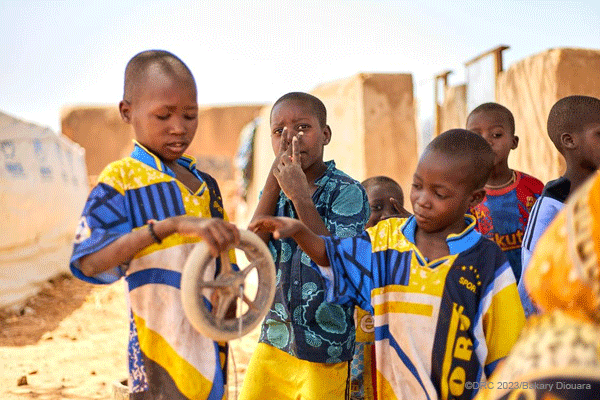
(71, 344)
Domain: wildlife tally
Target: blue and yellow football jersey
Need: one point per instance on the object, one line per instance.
(166, 355)
(440, 325)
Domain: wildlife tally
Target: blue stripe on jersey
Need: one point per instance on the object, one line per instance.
(150, 200)
(456, 244)
(434, 264)
(188, 162)
(464, 241)
(102, 213)
(154, 275)
(554, 194)
(395, 270)
(533, 215)
(140, 207)
(479, 372)
(383, 332)
(218, 388)
(355, 251)
(491, 367)
(143, 155)
(499, 271)
(144, 205)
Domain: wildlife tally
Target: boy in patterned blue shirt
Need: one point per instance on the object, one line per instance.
(305, 343)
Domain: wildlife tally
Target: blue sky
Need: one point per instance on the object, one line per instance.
(58, 53)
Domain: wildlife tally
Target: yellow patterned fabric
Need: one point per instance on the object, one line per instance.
(564, 272)
(557, 357)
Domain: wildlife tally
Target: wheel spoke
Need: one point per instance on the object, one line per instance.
(222, 306)
(225, 263)
(251, 266)
(250, 303)
(212, 284)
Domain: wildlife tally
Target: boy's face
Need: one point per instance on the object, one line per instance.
(494, 127)
(379, 200)
(164, 114)
(441, 193)
(296, 116)
(590, 146)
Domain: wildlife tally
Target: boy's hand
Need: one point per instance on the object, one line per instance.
(281, 227)
(283, 146)
(218, 234)
(289, 174)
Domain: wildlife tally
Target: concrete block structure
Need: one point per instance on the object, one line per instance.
(530, 87)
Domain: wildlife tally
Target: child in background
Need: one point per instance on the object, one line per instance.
(306, 343)
(502, 215)
(557, 355)
(386, 200)
(142, 220)
(574, 128)
(444, 297)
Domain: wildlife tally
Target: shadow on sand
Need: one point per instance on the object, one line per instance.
(43, 312)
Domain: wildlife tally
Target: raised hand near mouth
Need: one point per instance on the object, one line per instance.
(288, 170)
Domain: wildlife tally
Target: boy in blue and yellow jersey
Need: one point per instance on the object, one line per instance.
(306, 343)
(142, 220)
(503, 213)
(444, 298)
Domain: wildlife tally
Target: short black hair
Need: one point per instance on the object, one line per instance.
(315, 104)
(381, 181)
(139, 64)
(570, 114)
(466, 145)
(490, 107)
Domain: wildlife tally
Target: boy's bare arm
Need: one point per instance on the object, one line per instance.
(218, 234)
(281, 227)
(292, 181)
(267, 203)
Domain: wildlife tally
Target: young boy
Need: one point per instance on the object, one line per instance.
(386, 200)
(141, 222)
(574, 128)
(503, 213)
(444, 298)
(305, 343)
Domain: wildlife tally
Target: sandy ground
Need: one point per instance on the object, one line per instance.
(70, 342)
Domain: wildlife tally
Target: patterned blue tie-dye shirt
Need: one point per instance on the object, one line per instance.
(300, 322)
